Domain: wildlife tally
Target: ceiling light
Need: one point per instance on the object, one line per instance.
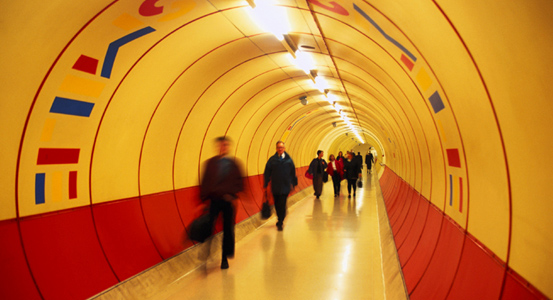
(270, 17)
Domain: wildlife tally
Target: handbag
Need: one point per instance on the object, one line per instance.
(359, 183)
(265, 209)
(200, 228)
(325, 177)
(308, 175)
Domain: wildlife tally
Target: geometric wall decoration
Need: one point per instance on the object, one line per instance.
(453, 158)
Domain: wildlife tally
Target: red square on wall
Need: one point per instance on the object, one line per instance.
(453, 158)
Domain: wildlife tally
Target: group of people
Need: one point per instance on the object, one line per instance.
(222, 180)
(338, 168)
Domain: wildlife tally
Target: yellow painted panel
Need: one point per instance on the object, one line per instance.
(57, 186)
(525, 124)
(159, 152)
(442, 131)
(178, 9)
(361, 22)
(424, 79)
(127, 22)
(82, 86)
(30, 45)
(48, 130)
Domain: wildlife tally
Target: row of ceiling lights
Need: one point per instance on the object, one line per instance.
(272, 18)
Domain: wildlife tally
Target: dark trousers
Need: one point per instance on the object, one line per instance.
(318, 184)
(280, 207)
(336, 181)
(352, 183)
(221, 206)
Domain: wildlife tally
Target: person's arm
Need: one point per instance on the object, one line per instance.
(267, 175)
(293, 174)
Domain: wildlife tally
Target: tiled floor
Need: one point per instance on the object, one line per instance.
(329, 249)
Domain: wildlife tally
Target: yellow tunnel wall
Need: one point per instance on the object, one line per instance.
(441, 89)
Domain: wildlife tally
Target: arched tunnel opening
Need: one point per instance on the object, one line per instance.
(110, 108)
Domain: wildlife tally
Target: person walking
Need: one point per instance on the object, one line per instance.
(221, 182)
(340, 157)
(369, 160)
(359, 159)
(317, 168)
(280, 171)
(335, 170)
(352, 172)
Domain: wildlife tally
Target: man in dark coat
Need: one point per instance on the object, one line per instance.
(352, 171)
(359, 159)
(221, 182)
(281, 172)
(317, 169)
(369, 161)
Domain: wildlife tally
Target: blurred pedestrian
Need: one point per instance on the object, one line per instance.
(340, 157)
(317, 168)
(281, 172)
(352, 172)
(335, 170)
(221, 182)
(369, 160)
(359, 159)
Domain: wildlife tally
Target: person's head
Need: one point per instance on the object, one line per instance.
(223, 145)
(350, 155)
(280, 147)
(340, 154)
(320, 153)
(358, 153)
(331, 157)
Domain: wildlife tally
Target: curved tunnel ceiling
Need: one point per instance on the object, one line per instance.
(123, 99)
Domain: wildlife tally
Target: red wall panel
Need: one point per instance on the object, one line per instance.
(124, 237)
(406, 249)
(439, 259)
(164, 223)
(399, 204)
(416, 266)
(517, 288)
(247, 201)
(401, 234)
(65, 256)
(408, 206)
(438, 278)
(480, 276)
(15, 279)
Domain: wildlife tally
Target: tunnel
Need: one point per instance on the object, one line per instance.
(110, 109)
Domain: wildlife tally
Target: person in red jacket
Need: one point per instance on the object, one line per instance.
(335, 170)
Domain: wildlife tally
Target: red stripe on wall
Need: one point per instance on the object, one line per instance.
(54, 156)
(408, 63)
(72, 184)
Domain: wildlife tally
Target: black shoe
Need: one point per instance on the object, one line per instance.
(353, 194)
(224, 263)
(349, 196)
(279, 227)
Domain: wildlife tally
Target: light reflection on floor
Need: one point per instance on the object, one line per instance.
(329, 249)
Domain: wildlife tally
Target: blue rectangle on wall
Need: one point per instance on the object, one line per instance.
(40, 180)
(71, 107)
(436, 102)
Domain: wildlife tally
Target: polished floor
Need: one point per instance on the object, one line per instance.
(330, 248)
